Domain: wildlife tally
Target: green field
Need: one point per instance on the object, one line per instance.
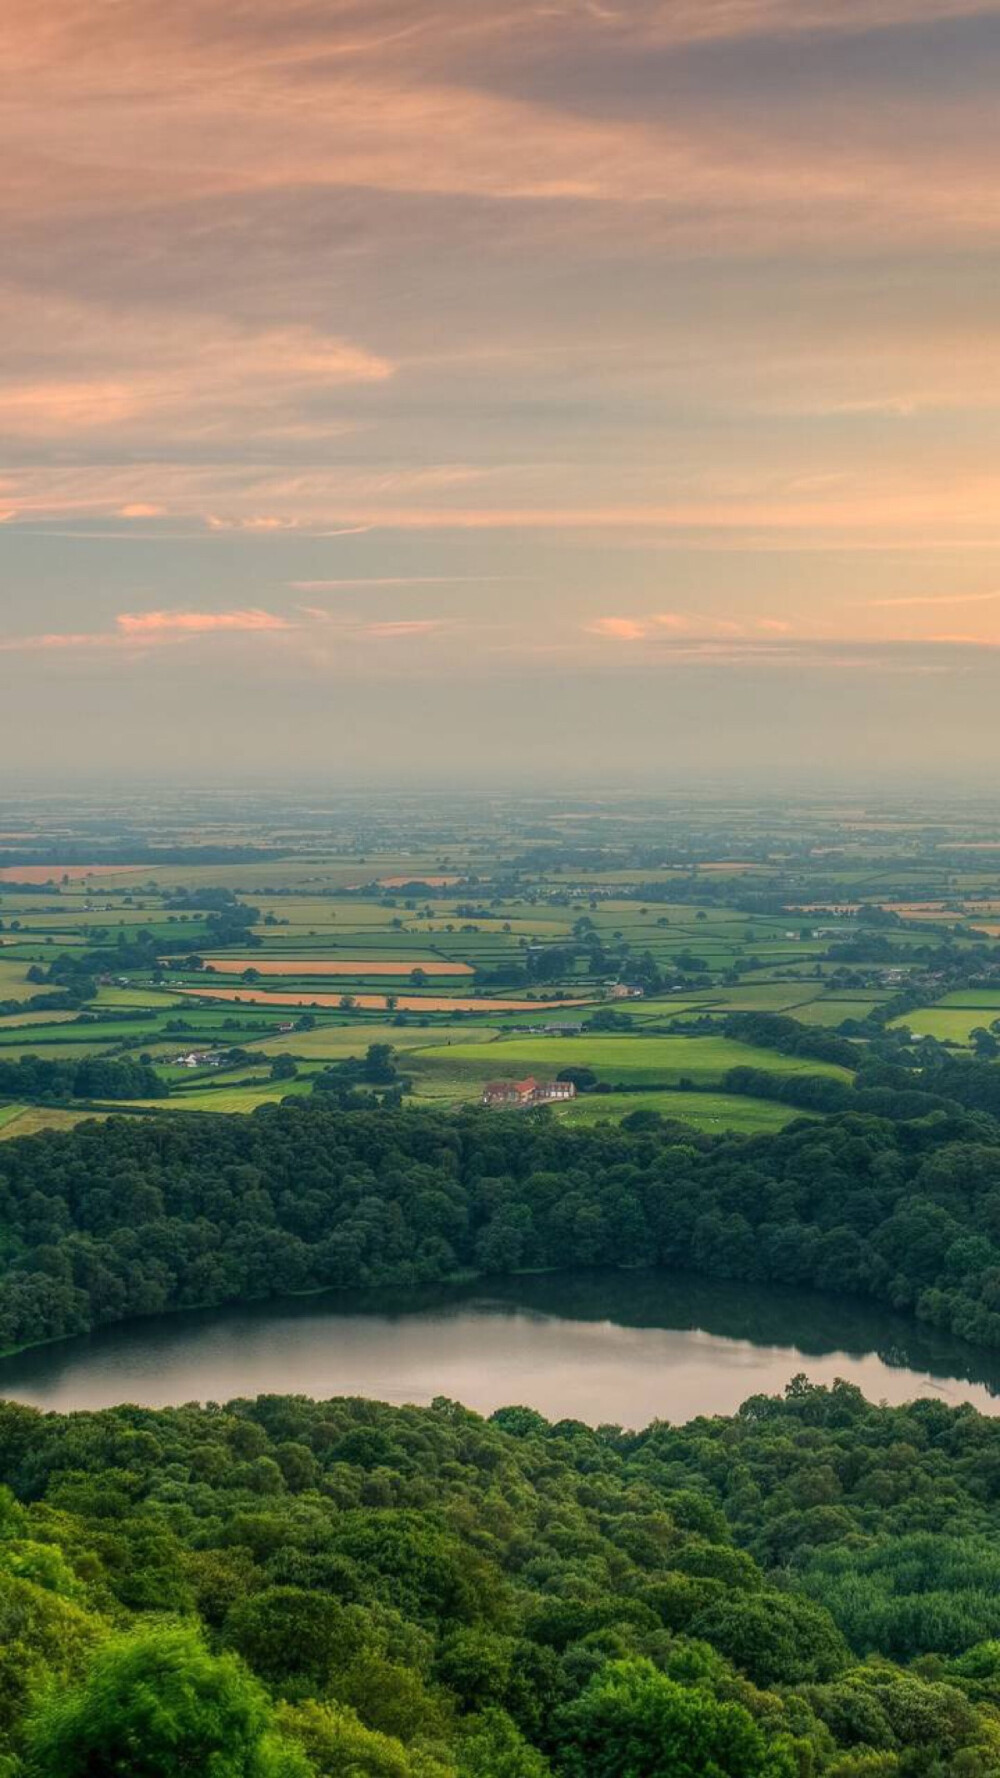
(13, 981)
(985, 1000)
(148, 999)
(231, 1098)
(710, 1112)
(332, 1043)
(459, 1069)
(949, 1024)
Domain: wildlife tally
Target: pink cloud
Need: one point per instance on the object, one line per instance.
(256, 522)
(111, 370)
(660, 625)
(416, 626)
(619, 629)
(150, 628)
(39, 644)
(910, 501)
(932, 599)
(164, 623)
(139, 631)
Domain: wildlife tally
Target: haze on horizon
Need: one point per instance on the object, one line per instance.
(460, 388)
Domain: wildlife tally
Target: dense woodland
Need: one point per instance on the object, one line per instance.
(134, 1216)
(285, 1588)
(92, 1077)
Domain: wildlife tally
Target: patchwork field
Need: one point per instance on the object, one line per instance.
(524, 932)
(460, 1069)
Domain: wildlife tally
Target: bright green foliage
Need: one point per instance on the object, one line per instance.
(340, 1746)
(159, 1705)
(492, 1747)
(43, 1639)
(633, 1722)
(359, 1591)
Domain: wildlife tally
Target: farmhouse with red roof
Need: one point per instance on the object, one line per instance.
(515, 1093)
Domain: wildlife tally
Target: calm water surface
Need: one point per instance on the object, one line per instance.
(618, 1347)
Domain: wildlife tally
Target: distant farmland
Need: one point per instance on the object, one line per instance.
(377, 1002)
(356, 966)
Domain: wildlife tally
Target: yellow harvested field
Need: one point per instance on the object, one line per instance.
(377, 1002)
(299, 966)
(27, 1121)
(54, 873)
(14, 983)
(419, 877)
(18, 1021)
(908, 910)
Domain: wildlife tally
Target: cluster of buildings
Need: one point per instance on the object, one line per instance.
(513, 1094)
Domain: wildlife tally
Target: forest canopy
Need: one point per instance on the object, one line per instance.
(291, 1589)
(132, 1217)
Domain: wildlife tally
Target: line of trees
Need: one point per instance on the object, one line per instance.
(94, 1077)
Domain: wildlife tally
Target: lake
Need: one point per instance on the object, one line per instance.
(621, 1347)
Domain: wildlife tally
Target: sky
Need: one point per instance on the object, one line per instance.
(583, 390)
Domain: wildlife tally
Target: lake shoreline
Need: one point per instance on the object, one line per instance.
(637, 1345)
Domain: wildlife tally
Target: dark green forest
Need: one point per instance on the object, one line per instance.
(94, 1077)
(284, 1588)
(132, 1217)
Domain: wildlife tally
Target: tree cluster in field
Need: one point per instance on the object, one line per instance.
(136, 1216)
(771, 1030)
(349, 1083)
(76, 977)
(283, 1588)
(37, 1081)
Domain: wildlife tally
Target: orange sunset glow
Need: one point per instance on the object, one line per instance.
(440, 361)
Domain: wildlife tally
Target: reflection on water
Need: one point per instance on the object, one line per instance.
(623, 1347)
